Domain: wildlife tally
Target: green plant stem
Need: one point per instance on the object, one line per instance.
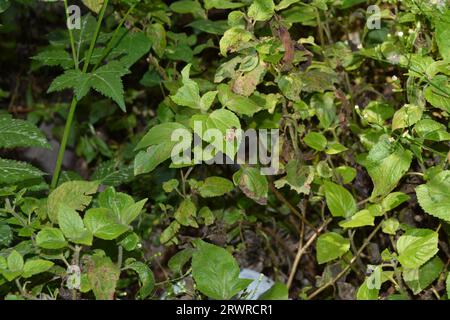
(62, 148)
(73, 105)
(72, 42)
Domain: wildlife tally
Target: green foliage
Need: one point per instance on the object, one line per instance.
(361, 177)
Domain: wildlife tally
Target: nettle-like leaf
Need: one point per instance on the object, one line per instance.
(19, 133)
(106, 80)
(434, 197)
(386, 164)
(407, 116)
(54, 57)
(331, 246)
(12, 171)
(216, 272)
(131, 47)
(416, 247)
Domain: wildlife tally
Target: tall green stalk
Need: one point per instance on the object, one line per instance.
(74, 102)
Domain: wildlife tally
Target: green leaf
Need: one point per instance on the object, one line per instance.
(360, 219)
(130, 213)
(147, 161)
(236, 103)
(15, 261)
(416, 247)
(316, 140)
(340, 201)
(186, 213)
(253, 184)
(170, 185)
(438, 93)
(72, 226)
(55, 57)
(168, 235)
(350, 3)
(434, 197)
(189, 94)
(443, 34)
(279, 291)
(222, 4)
(390, 226)
(93, 5)
(73, 194)
(233, 39)
(431, 130)
(33, 267)
(75, 79)
(158, 134)
(131, 47)
(331, 246)
(216, 272)
(103, 224)
(407, 116)
(393, 200)
(261, 10)
(447, 284)
(386, 164)
(12, 171)
(20, 133)
(146, 277)
(226, 122)
(215, 187)
(51, 238)
(103, 275)
(187, 6)
(364, 293)
(6, 235)
(179, 259)
(106, 80)
(419, 279)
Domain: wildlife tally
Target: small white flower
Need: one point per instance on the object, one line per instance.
(394, 78)
(356, 107)
(359, 46)
(400, 34)
(391, 139)
(393, 58)
(410, 31)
